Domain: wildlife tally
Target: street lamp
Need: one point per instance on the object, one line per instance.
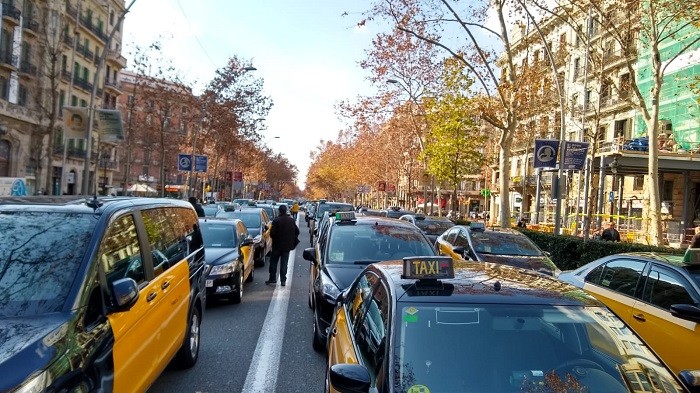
(614, 166)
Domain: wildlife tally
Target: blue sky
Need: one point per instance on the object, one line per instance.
(305, 50)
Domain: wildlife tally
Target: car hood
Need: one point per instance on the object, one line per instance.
(29, 344)
(343, 274)
(540, 264)
(219, 256)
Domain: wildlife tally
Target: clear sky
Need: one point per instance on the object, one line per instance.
(306, 52)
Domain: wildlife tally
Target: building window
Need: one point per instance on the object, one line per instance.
(74, 101)
(83, 103)
(668, 190)
(23, 99)
(4, 158)
(111, 17)
(64, 63)
(638, 183)
(4, 88)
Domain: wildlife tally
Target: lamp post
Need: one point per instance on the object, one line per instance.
(93, 95)
(614, 165)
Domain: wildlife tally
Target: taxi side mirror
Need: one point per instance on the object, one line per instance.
(247, 242)
(126, 292)
(310, 254)
(547, 253)
(686, 311)
(350, 378)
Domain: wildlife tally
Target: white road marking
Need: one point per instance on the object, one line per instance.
(262, 374)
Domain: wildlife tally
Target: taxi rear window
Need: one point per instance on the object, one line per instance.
(40, 254)
(434, 227)
(500, 243)
(218, 235)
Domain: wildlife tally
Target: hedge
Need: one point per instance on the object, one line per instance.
(570, 252)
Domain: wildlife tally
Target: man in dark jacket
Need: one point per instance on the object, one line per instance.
(284, 233)
(611, 234)
(197, 207)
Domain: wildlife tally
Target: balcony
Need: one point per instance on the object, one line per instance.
(83, 84)
(10, 13)
(27, 68)
(30, 26)
(71, 152)
(93, 28)
(116, 57)
(85, 52)
(115, 86)
(8, 60)
(71, 10)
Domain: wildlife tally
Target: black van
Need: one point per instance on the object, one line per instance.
(97, 294)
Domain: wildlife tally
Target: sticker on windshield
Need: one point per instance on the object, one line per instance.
(418, 389)
(410, 315)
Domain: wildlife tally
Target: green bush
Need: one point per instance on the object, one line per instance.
(570, 252)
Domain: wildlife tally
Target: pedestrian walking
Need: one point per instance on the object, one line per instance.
(285, 237)
(695, 242)
(197, 207)
(611, 234)
(295, 210)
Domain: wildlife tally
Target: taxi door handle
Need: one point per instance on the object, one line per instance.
(334, 332)
(165, 285)
(151, 296)
(639, 317)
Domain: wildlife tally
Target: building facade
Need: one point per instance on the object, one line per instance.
(49, 56)
(591, 66)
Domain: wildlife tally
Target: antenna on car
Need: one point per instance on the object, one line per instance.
(94, 202)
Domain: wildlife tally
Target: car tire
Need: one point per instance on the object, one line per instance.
(238, 295)
(189, 351)
(318, 342)
(251, 276)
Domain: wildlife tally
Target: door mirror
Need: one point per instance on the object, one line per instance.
(686, 311)
(547, 253)
(126, 293)
(310, 254)
(248, 241)
(691, 379)
(350, 378)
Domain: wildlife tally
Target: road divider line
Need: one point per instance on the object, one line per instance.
(262, 374)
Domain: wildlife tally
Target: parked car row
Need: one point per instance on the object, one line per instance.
(496, 290)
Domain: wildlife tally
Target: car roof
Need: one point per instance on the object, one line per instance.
(669, 259)
(219, 220)
(84, 204)
(484, 283)
(372, 220)
(489, 229)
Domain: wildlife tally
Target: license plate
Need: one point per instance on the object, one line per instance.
(210, 283)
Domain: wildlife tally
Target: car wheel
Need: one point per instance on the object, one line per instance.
(318, 342)
(251, 275)
(238, 295)
(189, 351)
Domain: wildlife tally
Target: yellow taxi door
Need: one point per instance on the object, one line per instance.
(449, 241)
(135, 353)
(675, 340)
(173, 287)
(246, 251)
(340, 346)
(616, 284)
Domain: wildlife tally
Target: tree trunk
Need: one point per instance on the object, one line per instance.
(504, 146)
(655, 233)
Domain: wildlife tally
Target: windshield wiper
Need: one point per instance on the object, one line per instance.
(366, 262)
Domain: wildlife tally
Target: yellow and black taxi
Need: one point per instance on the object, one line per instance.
(657, 295)
(434, 324)
(97, 294)
(506, 246)
(229, 257)
(258, 223)
(345, 245)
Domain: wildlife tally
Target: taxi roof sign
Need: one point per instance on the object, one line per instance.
(345, 216)
(427, 268)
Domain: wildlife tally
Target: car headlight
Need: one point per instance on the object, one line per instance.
(330, 292)
(35, 384)
(229, 267)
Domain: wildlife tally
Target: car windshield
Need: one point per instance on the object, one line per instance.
(218, 235)
(434, 227)
(356, 243)
(501, 243)
(523, 348)
(250, 219)
(40, 254)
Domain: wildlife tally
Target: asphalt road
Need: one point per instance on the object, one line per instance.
(260, 345)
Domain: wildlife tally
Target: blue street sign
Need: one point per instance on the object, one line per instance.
(611, 197)
(574, 155)
(184, 162)
(200, 163)
(546, 153)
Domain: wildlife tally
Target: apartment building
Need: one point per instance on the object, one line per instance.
(591, 68)
(49, 55)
